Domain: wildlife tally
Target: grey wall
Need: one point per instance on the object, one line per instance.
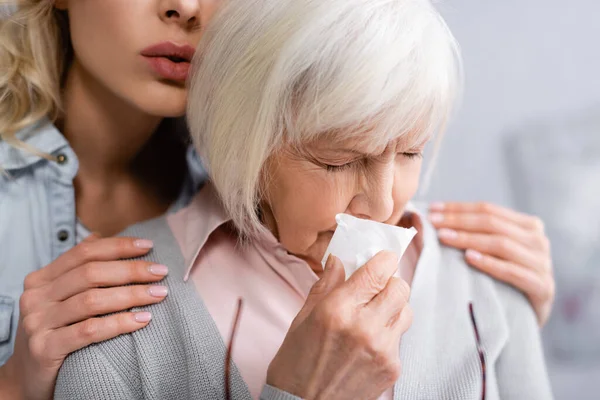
(524, 60)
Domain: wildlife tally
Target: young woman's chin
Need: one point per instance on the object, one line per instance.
(161, 99)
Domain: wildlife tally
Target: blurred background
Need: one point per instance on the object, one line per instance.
(528, 136)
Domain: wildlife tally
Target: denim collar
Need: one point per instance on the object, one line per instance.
(41, 137)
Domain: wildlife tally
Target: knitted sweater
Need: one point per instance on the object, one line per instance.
(180, 354)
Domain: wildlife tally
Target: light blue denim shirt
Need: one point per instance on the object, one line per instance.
(37, 213)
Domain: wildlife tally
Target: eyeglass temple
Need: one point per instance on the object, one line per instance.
(237, 320)
(479, 350)
(228, 355)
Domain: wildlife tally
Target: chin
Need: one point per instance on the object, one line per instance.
(314, 254)
(163, 100)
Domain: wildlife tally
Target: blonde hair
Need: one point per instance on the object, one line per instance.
(286, 71)
(34, 45)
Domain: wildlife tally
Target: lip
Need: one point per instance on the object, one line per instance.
(161, 57)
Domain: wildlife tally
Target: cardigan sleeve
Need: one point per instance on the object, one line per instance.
(521, 369)
(272, 393)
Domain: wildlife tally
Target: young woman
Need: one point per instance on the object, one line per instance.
(89, 96)
(90, 92)
(303, 110)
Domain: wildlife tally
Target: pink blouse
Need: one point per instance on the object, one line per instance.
(273, 283)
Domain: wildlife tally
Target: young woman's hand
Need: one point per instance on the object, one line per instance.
(61, 306)
(345, 342)
(503, 243)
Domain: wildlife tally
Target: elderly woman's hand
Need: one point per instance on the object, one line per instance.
(503, 243)
(345, 341)
(61, 304)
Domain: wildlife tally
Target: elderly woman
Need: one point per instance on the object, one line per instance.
(302, 110)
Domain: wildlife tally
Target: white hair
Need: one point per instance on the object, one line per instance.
(286, 71)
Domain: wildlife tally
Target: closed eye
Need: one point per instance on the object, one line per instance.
(412, 156)
(339, 168)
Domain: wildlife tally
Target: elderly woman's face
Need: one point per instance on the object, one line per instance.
(305, 190)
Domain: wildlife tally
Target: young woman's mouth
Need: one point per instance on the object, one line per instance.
(169, 60)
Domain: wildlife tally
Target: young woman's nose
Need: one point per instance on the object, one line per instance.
(186, 13)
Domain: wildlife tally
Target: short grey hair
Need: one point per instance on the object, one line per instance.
(270, 72)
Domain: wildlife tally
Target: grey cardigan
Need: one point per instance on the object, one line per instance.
(180, 354)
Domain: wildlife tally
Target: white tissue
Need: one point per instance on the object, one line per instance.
(355, 241)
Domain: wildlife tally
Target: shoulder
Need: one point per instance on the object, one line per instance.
(494, 300)
(504, 316)
(135, 364)
(484, 289)
(478, 284)
(103, 370)
(114, 368)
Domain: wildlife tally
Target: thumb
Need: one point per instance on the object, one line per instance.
(333, 277)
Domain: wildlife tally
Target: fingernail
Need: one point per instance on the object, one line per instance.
(328, 263)
(447, 233)
(142, 316)
(437, 206)
(158, 291)
(436, 217)
(474, 255)
(143, 244)
(157, 269)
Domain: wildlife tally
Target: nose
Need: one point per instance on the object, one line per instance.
(186, 13)
(375, 199)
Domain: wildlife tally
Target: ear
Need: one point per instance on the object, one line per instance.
(61, 4)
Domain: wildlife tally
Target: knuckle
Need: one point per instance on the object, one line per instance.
(538, 224)
(318, 288)
(138, 269)
(371, 279)
(90, 274)
(405, 287)
(28, 301)
(485, 207)
(462, 239)
(400, 289)
(31, 324)
(548, 264)
(407, 316)
(332, 318)
(503, 244)
(88, 330)
(548, 289)
(91, 300)
(364, 337)
(85, 251)
(552, 289)
(124, 244)
(391, 370)
(37, 347)
(31, 280)
(513, 273)
(138, 293)
(545, 244)
(492, 222)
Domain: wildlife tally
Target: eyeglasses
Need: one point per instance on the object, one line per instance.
(479, 350)
(236, 321)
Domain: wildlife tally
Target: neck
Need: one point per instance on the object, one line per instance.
(105, 132)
